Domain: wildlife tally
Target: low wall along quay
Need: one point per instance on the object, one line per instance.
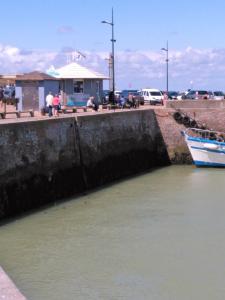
(46, 160)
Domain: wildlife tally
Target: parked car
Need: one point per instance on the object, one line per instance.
(218, 95)
(136, 94)
(106, 95)
(210, 93)
(172, 95)
(117, 93)
(181, 95)
(152, 96)
(196, 95)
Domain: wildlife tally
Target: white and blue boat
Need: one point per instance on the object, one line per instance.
(207, 147)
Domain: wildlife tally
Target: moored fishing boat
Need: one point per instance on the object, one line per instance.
(207, 147)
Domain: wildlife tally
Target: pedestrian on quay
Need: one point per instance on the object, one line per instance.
(96, 104)
(1, 96)
(130, 100)
(90, 103)
(93, 103)
(49, 103)
(165, 98)
(56, 103)
(122, 102)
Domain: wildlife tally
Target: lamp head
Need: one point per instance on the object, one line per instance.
(106, 22)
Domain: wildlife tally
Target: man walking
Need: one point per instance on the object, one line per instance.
(49, 100)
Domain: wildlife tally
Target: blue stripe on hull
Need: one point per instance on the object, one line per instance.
(199, 163)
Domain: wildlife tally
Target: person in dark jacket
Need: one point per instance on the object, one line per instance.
(95, 104)
(1, 95)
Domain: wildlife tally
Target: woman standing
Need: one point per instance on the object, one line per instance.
(55, 103)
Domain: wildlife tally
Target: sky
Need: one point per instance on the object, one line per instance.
(38, 34)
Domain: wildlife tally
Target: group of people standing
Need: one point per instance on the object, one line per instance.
(123, 102)
(53, 104)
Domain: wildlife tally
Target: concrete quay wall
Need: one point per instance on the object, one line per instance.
(196, 104)
(213, 118)
(45, 160)
(120, 144)
(39, 162)
(42, 161)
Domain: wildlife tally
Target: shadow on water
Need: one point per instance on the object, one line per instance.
(45, 207)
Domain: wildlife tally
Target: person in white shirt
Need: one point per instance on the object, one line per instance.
(90, 102)
(49, 99)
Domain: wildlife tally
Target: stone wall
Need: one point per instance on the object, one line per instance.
(171, 131)
(119, 144)
(46, 160)
(212, 118)
(196, 104)
(39, 163)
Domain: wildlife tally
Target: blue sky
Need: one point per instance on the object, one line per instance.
(38, 34)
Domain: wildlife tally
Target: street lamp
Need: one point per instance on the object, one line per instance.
(167, 67)
(109, 60)
(112, 57)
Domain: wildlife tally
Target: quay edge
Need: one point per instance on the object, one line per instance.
(8, 290)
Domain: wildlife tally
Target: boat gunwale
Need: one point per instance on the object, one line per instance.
(201, 139)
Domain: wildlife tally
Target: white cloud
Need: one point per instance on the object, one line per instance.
(205, 68)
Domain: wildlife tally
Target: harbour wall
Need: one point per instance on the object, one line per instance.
(42, 161)
(196, 104)
(45, 160)
(203, 112)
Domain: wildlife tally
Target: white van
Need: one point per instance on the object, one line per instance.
(152, 96)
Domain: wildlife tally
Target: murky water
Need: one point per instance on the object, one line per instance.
(157, 236)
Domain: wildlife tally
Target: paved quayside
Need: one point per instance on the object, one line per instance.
(8, 290)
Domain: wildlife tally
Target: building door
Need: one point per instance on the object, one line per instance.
(30, 95)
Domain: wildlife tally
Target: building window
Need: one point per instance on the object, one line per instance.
(78, 86)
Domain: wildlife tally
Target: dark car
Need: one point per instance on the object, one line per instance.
(172, 95)
(137, 96)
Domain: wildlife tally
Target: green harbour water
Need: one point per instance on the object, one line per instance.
(157, 236)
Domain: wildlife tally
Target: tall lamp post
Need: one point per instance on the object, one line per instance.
(167, 67)
(109, 60)
(112, 57)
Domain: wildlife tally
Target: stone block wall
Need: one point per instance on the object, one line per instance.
(39, 163)
(47, 160)
(119, 144)
(212, 118)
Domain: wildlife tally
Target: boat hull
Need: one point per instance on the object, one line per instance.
(206, 153)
